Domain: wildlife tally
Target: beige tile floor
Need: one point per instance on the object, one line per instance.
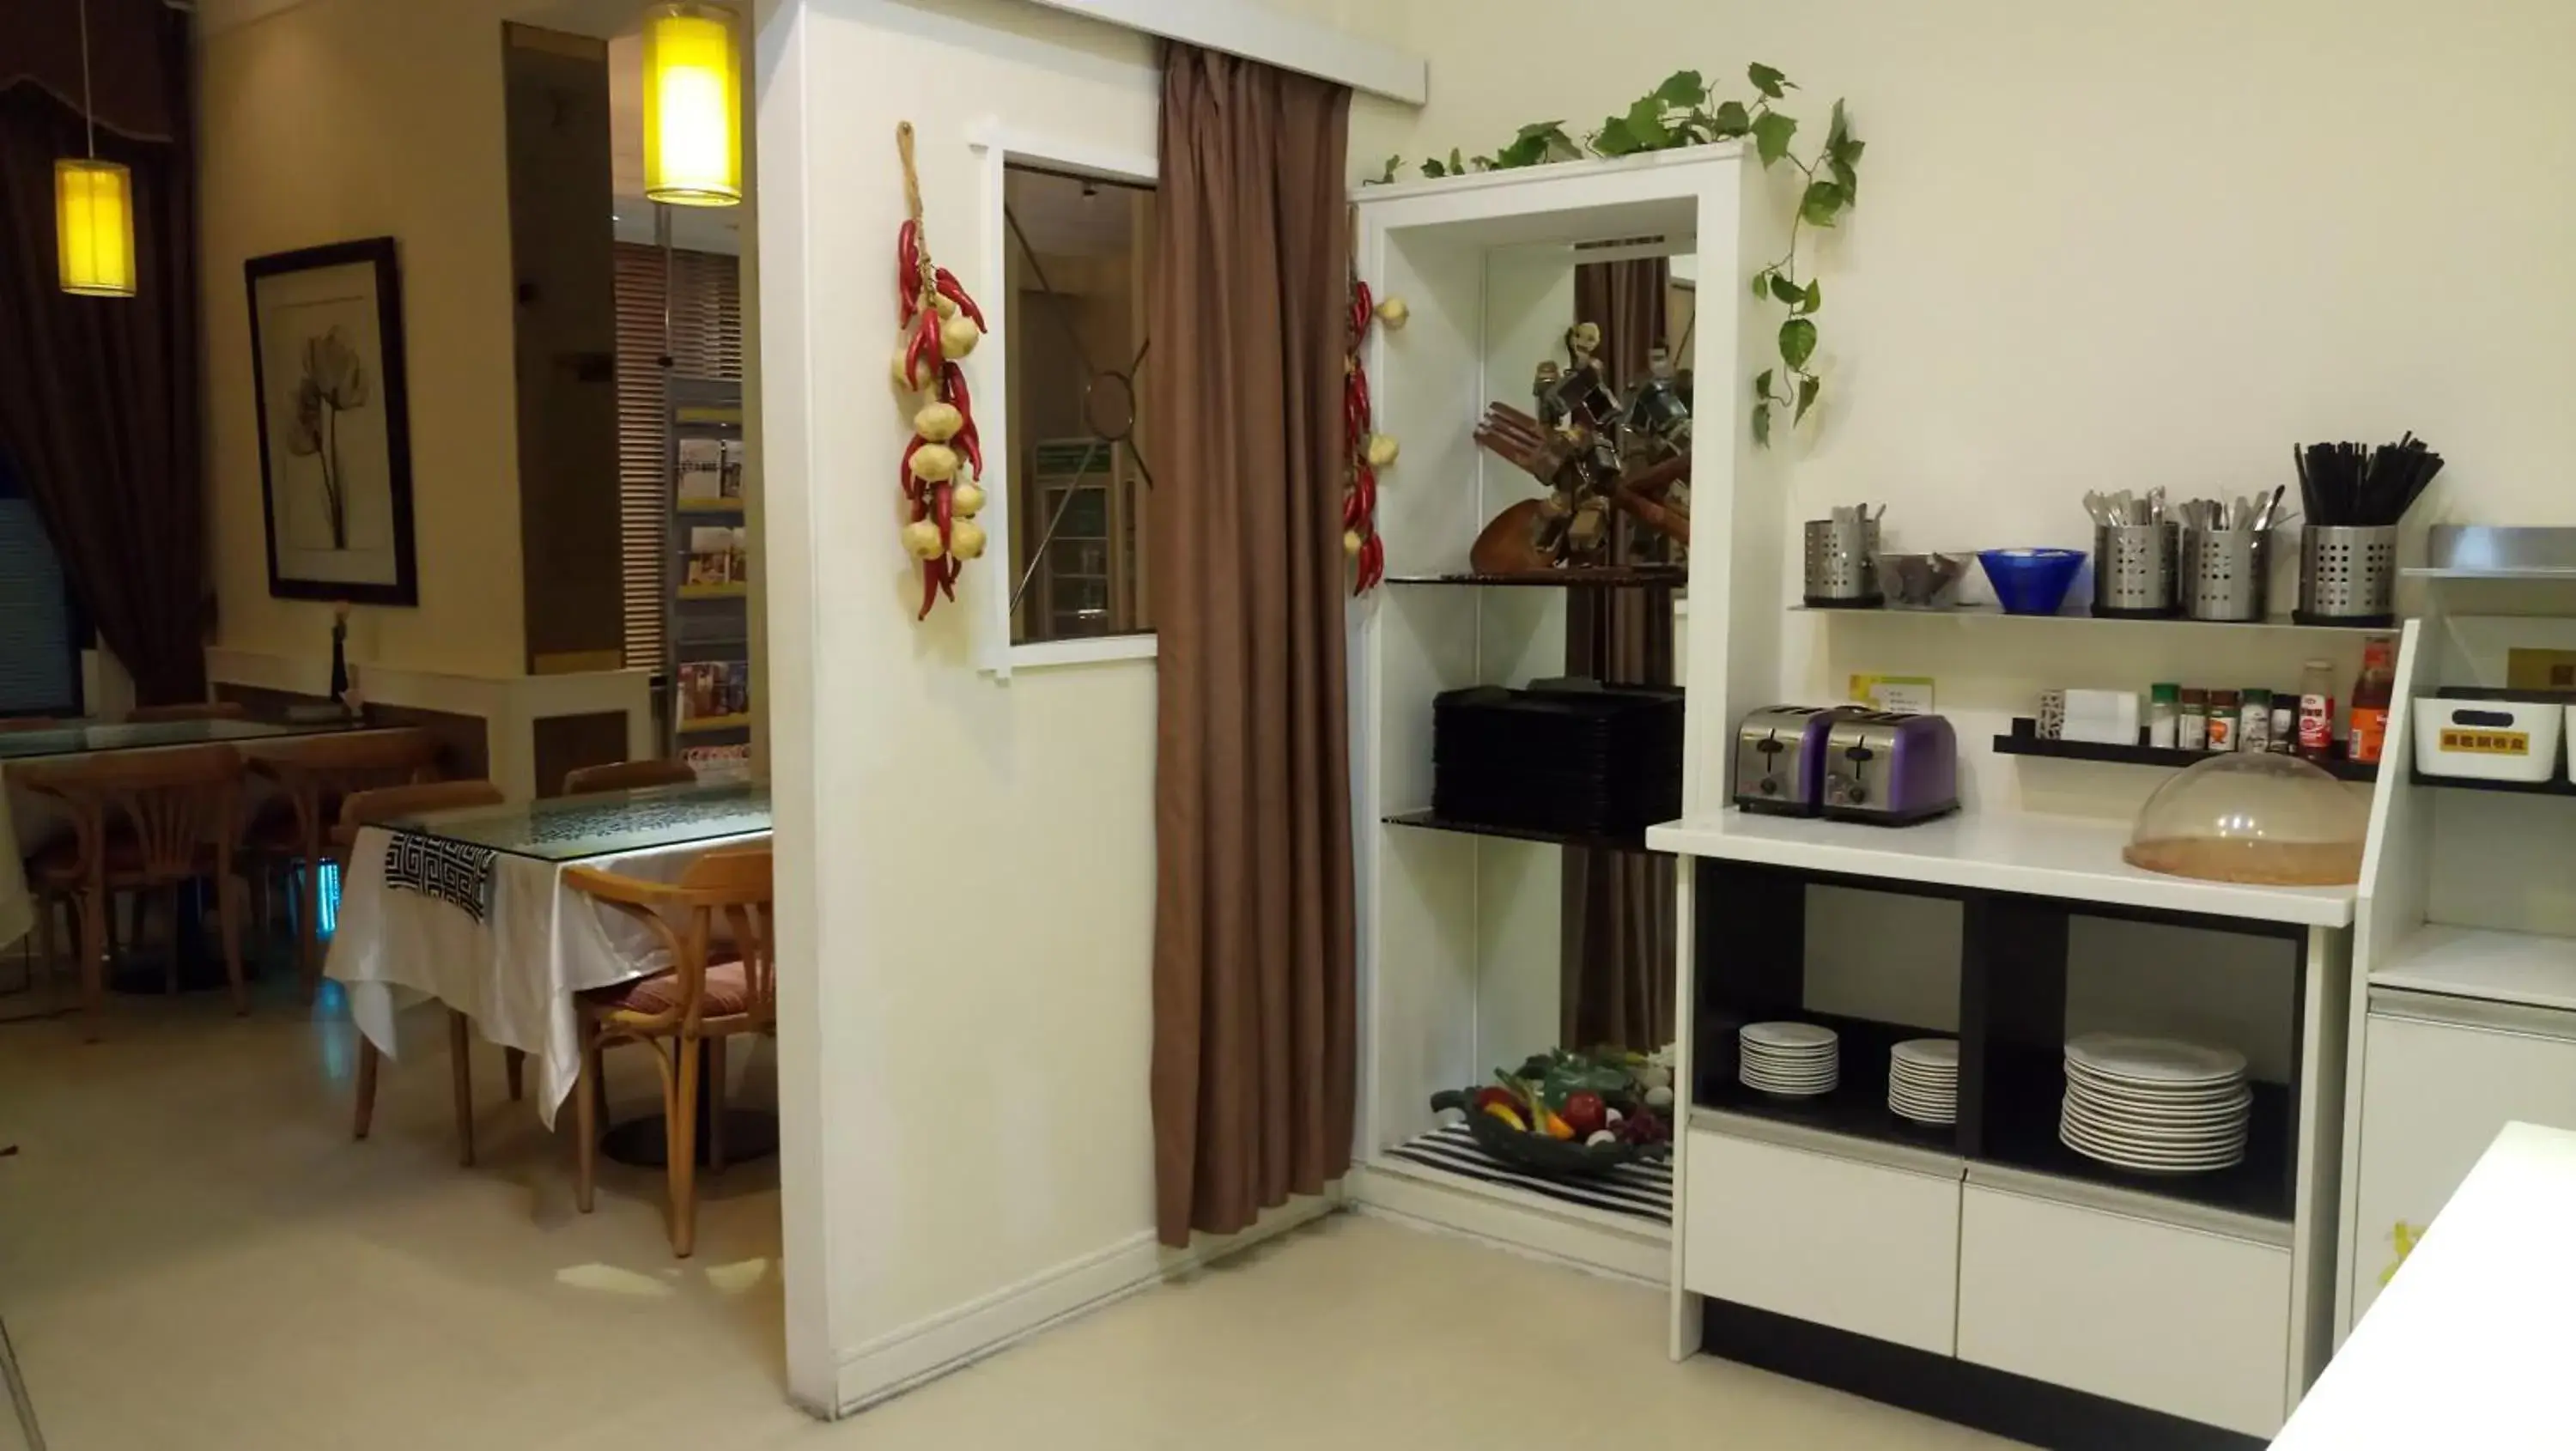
(194, 1254)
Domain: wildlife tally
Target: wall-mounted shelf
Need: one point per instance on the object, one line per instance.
(2528, 968)
(1990, 612)
(2554, 786)
(1602, 841)
(2025, 741)
(1637, 576)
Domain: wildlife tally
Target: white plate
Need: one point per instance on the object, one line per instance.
(1917, 1108)
(2111, 1083)
(1902, 1074)
(2161, 1115)
(1787, 1035)
(1803, 1070)
(2154, 1164)
(1792, 1092)
(1923, 1116)
(1941, 1054)
(1790, 1085)
(2154, 1061)
(1785, 1055)
(2075, 1131)
(2144, 1140)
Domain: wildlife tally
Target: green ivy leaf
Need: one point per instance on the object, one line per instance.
(1646, 123)
(1539, 130)
(1682, 88)
(1561, 147)
(1837, 129)
(1768, 81)
(1762, 423)
(1457, 165)
(1771, 133)
(1730, 120)
(1786, 290)
(1762, 283)
(1762, 385)
(1432, 168)
(1807, 390)
(1797, 342)
(1814, 297)
(1613, 138)
(1823, 201)
(1388, 175)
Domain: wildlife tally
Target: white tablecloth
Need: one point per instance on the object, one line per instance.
(515, 972)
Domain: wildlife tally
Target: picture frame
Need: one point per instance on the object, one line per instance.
(328, 381)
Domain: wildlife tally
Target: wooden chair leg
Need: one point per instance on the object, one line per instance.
(368, 1061)
(514, 1065)
(715, 1126)
(460, 1059)
(585, 1094)
(227, 893)
(684, 1150)
(46, 905)
(93, 965)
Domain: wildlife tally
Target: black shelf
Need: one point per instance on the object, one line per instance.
(2025, 1089)
(1624, 576)
(2025, 741)
(1856, 1108)
(2554, 786)
(1599, 841)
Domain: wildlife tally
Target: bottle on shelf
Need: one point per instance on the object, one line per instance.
(2372, 695)
(2317, 710)
(2164, 716)
(2285, 723)
(2254, 725)
(2192, 725)
(2224, 716)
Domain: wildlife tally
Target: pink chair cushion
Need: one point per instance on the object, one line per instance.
(728, 992)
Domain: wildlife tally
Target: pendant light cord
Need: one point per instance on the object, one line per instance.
(89, 110)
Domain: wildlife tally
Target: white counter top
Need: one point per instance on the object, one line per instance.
(1998, 851)
(2467, 1350)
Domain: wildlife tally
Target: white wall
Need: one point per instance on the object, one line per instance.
(329, 121)
(966, 886)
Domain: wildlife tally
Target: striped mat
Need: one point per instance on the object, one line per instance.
(1641, 1191)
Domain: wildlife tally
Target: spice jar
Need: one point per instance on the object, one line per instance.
(2223, 718)
(2192, 725)
(2254, 722)
(2164, 715)
(2285, 722)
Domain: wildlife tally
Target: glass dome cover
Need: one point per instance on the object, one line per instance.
(2253, 817)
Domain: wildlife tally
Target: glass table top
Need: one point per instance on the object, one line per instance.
(575, 828)
(83, 738)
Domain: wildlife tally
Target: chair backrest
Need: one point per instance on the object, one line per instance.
(392, 803)
(28, 723)
(628, 776)
(732, 885)
(193, 710)
(319, 772)
(175, 802)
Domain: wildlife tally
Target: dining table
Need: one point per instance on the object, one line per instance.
(470, 907)
(28, 818)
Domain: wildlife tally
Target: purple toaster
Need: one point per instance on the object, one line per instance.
(1780, 759)
(1890, 769)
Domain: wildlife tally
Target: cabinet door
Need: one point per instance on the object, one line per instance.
(2178, 1320)
(2441, 1078)
(1860, 1247)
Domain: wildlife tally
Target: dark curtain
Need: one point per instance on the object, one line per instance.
(1254, 981)
(99, 396)
(1617, 978)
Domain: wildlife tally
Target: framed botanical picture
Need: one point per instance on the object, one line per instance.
(326, 346)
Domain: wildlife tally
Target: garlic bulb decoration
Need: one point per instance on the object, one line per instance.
(938, 422)
(1393, 312)
(966, 539)
(1381, 450)
(1351, 542)
(958, 337)
(921, 539)
(935, 463)
(966, 502)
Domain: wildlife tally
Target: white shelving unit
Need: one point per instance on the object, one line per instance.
(1459, 941)
(2464, 1005)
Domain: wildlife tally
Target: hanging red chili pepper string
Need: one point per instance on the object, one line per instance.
(1364, 453)
(944, 462)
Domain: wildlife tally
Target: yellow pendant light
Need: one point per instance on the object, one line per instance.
(93, 209)
(692, 106)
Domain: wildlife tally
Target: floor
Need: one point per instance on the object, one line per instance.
(194, 1254)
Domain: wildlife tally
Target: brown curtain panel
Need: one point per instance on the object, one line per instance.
(1254, 982)
(1618, 918)
(99, 396)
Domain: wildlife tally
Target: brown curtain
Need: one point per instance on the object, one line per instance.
(1618, 918)
(99, 396)
(1254, 983)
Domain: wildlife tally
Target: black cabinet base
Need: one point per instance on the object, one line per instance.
(1949, 1389)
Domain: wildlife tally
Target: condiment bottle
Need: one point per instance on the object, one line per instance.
(2254, 724)
(2223, 706)
(2192, 726)
(2316, 710)
(2164, 716)
(2371, 696)
(2285, 723)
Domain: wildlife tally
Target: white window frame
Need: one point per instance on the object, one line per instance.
(1000, 146)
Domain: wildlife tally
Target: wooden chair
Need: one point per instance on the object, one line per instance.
(628, 776)
(374, 808)
(692, 1004)
(316, 774)
(12, 723)
(192, 710)
(141, 819)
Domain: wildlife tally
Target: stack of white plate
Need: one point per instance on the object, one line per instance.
(2154, 1104)
(1923, 1080)
(1790, 1060)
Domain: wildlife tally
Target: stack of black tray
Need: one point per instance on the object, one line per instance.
(1572, 756)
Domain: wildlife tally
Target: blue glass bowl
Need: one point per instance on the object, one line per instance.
(2031, 581)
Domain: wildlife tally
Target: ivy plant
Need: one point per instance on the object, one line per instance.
(1685, 111)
